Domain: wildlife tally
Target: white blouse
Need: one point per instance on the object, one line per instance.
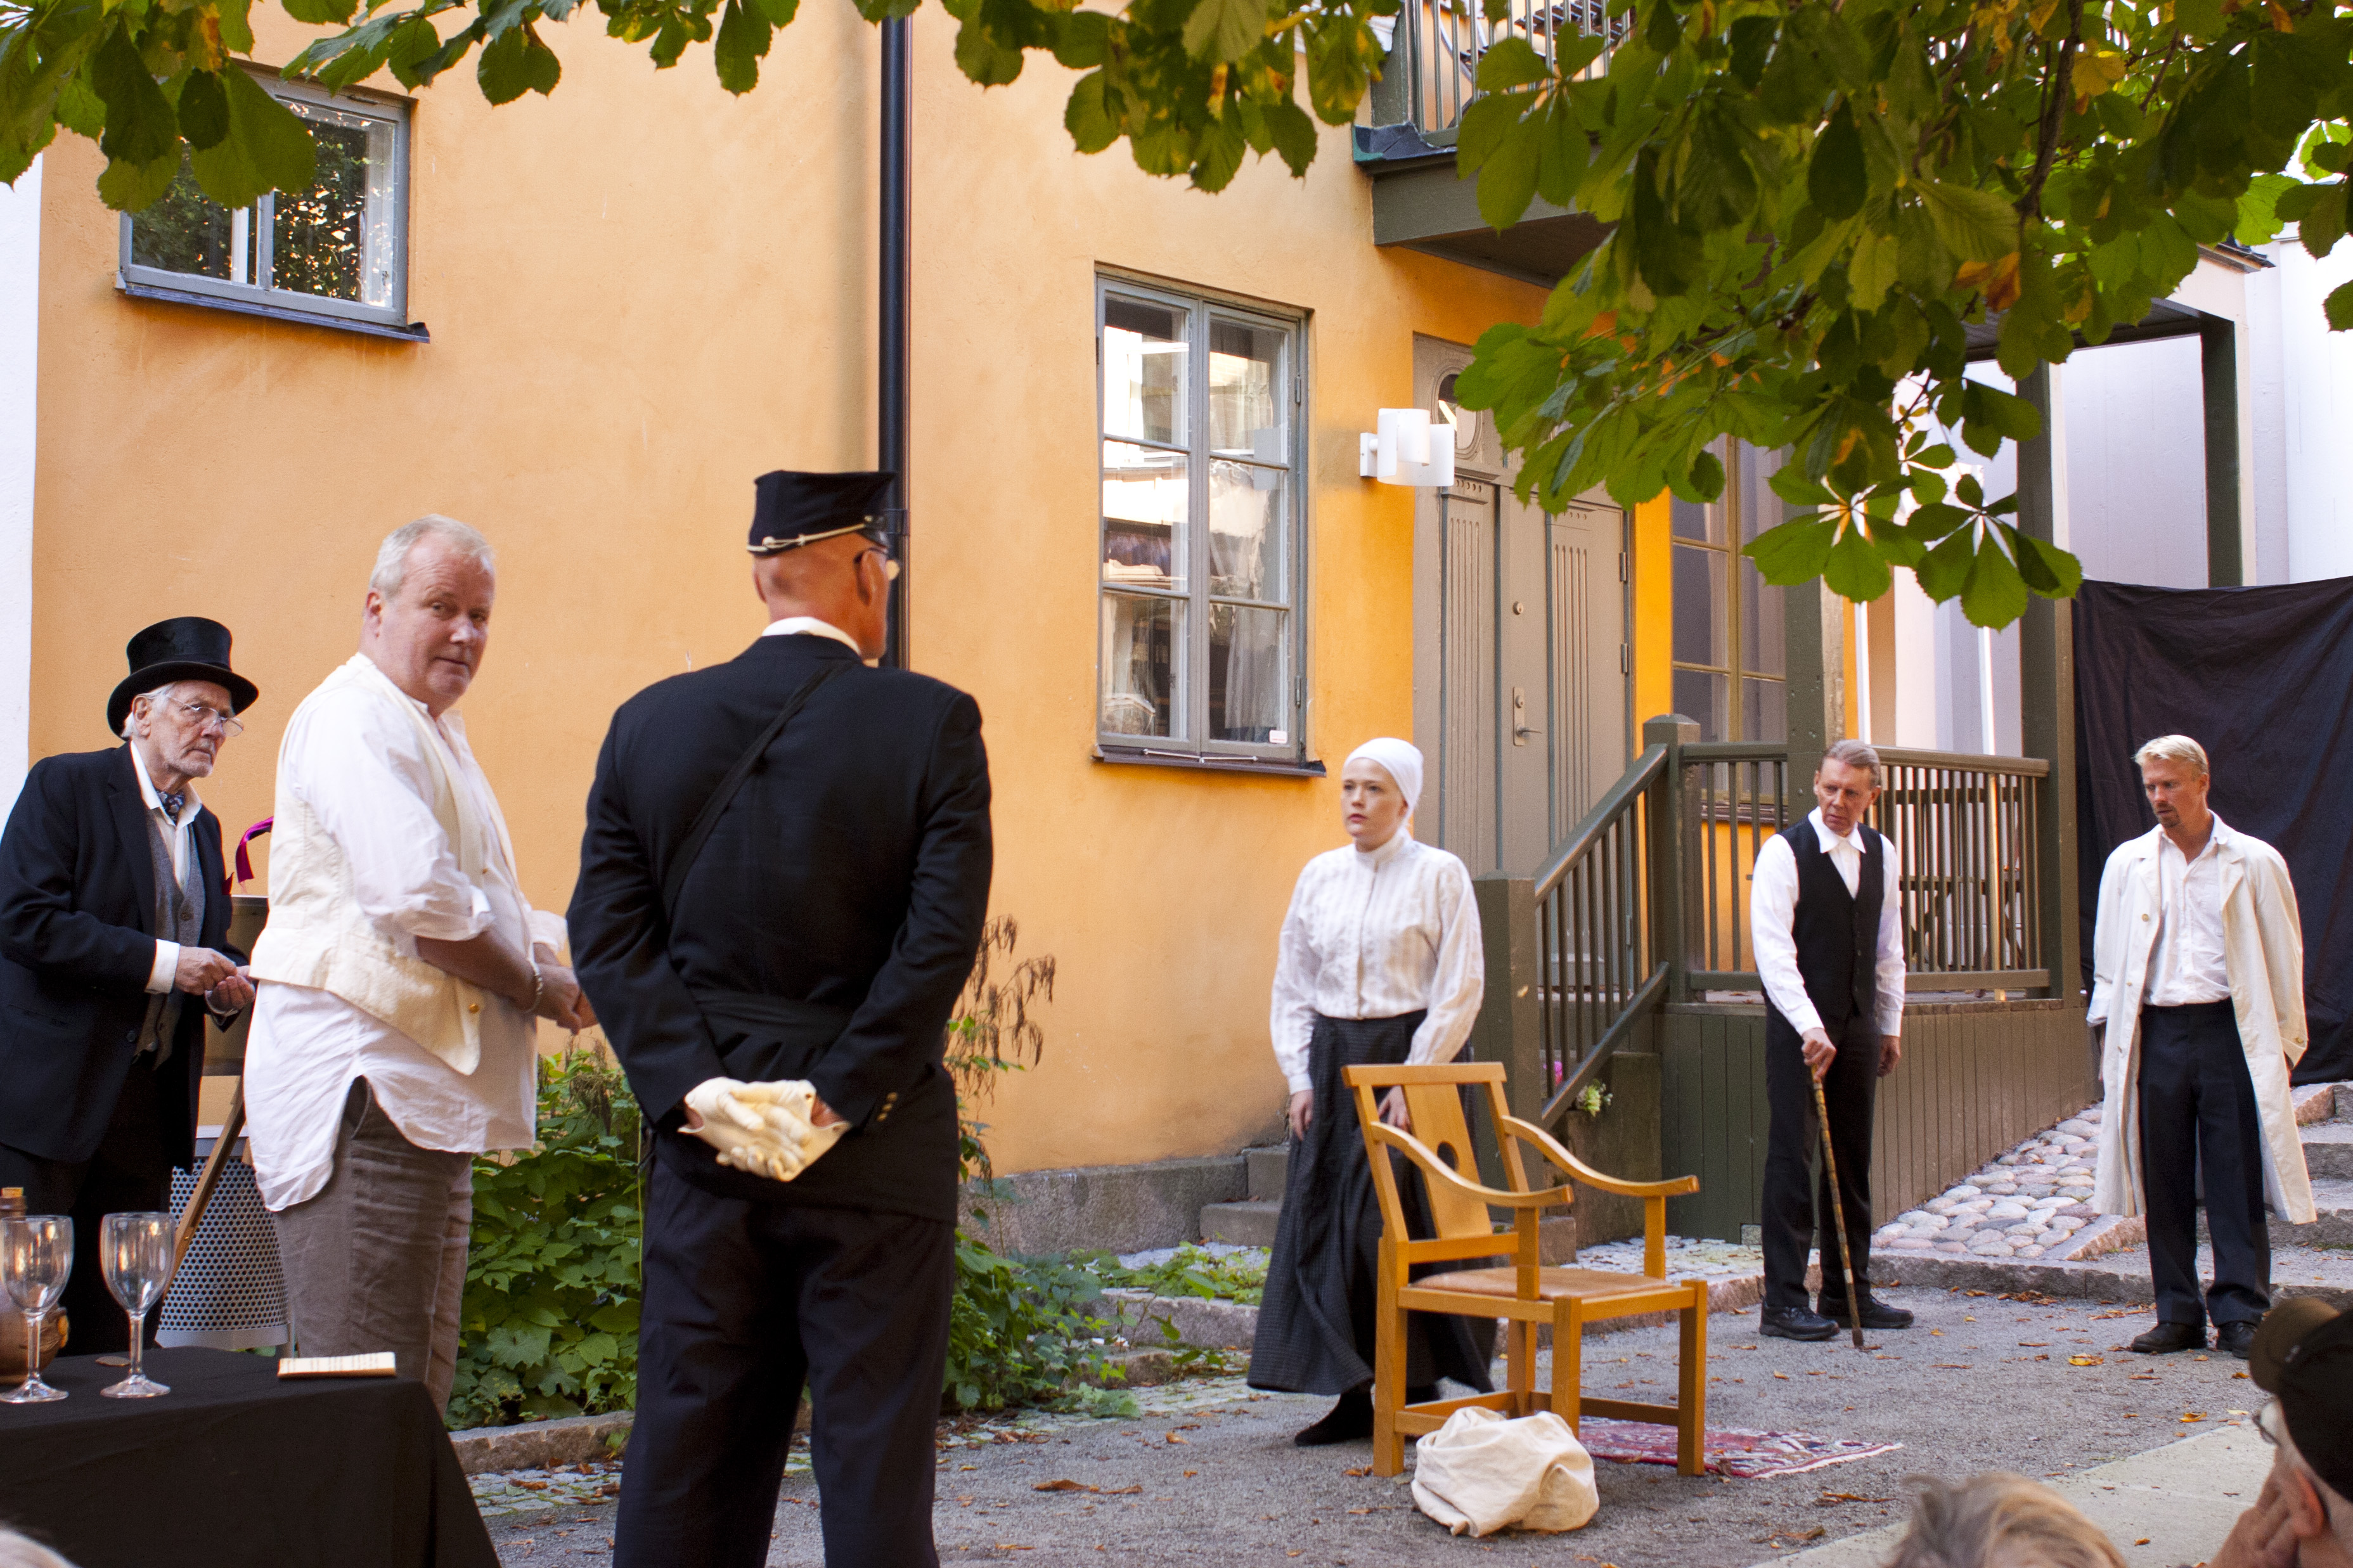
(1373, 934)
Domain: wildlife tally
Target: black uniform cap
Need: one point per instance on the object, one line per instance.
(790, 509)
(2303, 1354)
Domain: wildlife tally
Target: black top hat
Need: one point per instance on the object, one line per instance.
(791, 510)
(186, 648)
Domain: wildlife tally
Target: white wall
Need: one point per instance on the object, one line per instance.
(2137, 463)
(20, 283)
(2315, 374)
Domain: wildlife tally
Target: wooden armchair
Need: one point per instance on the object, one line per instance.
(1526, 1293)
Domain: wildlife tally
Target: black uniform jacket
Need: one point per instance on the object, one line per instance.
(76, 944)
(824, 930)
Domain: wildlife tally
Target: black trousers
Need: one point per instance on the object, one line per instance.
(2198, 1107)
(128, 1172)
(1797, 1201)
(745, 1303)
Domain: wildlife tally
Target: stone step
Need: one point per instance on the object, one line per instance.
(2333, 1197)
(1246, 1224)
(2328, 1149)
(1269, 1168)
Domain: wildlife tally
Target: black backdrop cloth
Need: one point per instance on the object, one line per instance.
(235, 1468)
(2263, 678)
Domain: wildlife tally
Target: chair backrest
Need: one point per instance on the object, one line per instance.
(1434, 1100)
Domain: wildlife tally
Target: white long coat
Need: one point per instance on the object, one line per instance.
(2263, 953)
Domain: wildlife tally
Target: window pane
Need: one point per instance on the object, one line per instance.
(1764, 710)
(1140, 637)
(1763, 632)
(1249, 687)
(1699, 606)
(1701, 696)
(1146, 495)
(1248, 507)
(1247, 383)
(1142, 371)
(186, 231)
(1695, 521)
(1760, 508)
(336, 238)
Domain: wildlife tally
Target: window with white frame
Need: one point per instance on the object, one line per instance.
(337, 250)
(1200, 555)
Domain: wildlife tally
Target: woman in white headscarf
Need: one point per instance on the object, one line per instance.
(1380, 961)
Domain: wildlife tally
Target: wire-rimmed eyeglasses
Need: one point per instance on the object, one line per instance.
(206, 717)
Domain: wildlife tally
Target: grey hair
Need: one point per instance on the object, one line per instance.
(161, 694)
(2173, 749)
(1999, 1521)
(392, 557)
(1854, 754)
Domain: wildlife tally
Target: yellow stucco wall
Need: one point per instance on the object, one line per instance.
(642, 293)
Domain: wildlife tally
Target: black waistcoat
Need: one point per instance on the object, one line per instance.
(1836, 931)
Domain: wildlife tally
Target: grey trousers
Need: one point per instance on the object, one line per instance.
(377, 1259)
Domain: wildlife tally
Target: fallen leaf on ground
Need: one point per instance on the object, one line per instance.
(2188, 1415)
(1359, 1470)
(2085, 1361)
(2033, 1344)
(2142, 1541)
(1066, 1485)
(1174, 1438)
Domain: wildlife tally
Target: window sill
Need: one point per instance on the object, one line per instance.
(1212, 763)
(414, 333)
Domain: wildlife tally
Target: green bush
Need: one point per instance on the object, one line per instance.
(1194, 1272)
(549, 1326)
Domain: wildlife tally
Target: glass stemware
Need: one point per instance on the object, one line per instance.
(135, 1251)
(35, 1259)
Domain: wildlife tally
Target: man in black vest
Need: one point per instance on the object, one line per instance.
(782, 887)
(113, 920)
(1825, 915)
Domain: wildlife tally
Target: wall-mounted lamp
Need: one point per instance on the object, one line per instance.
(1402, 451)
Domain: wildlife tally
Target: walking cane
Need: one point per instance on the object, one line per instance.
(207, 1179)
(1838, 1217)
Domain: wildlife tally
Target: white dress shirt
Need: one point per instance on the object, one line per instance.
(166, 968)
(1375, 933)
(2186, 967)
(1772, 920)
(365, 776)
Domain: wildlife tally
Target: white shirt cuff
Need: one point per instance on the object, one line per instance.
(1300, 1084)
(166, 967)
(1891, 1023)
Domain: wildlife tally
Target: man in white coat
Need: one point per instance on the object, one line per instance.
(2197, 979)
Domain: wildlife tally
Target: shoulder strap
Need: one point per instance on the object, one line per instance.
(713, 809)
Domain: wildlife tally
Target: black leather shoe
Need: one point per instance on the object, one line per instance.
(1350, 1421)
(2236, 1339)
(1876, 1313)
(1794, 1323)
(2167, 1338)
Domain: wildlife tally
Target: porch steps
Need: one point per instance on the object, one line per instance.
(1251, 1222)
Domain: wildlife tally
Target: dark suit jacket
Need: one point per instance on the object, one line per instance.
(76, 944)
(825, 927)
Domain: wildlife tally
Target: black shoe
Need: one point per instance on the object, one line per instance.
(2235, 1338)
(1350, 1421)
(1876, 1313)
(2167, 1338)
(1421, 1393)
(1794, 1323)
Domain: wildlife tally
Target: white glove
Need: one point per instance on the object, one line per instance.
(762, 1128)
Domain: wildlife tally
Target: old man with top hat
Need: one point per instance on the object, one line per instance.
(113, 945)
(782, 886)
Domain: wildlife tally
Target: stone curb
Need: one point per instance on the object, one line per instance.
(538, 1444)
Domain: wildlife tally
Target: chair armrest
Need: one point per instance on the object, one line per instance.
(1436, 1169)
(1570, 1165)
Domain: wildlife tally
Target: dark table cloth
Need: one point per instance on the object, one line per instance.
(234, 1467)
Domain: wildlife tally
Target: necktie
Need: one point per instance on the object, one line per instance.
(172, 805)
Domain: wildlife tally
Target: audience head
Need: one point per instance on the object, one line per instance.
(1999, 1521)
(2303, 1357)
(428, 619)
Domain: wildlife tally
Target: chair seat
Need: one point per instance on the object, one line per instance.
(1552, 1284)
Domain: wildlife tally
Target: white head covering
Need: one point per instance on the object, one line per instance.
(1402, 759)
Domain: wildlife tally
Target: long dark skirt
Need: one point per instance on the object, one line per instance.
(1315, 1325)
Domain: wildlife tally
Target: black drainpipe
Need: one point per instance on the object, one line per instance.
(891, 330)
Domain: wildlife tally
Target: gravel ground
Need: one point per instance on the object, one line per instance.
(1981, 1383)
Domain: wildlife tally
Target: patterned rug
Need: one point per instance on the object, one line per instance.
(1745, 1456)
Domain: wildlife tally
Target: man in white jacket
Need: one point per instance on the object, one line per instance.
(393, 1039)
(2197, 979)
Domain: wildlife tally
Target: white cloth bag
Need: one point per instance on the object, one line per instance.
(1481, 1473)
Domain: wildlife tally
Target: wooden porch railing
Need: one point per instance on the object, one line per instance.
(1441, 42)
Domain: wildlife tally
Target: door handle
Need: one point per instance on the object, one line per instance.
(1521, 729)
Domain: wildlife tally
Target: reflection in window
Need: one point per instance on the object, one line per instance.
(341, 241)
(1727, 643)
(1197, 426)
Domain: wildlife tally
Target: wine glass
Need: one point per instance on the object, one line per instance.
(35, 1259)
(135, 1251)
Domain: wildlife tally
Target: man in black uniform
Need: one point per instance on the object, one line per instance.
(1825, 914)
(782, 887)
(113, 943)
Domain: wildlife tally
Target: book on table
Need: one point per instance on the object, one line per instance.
(376, 1363)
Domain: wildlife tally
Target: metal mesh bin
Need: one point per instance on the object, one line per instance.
(228, 1294)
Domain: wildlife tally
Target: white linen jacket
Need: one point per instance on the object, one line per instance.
(2263, 952)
